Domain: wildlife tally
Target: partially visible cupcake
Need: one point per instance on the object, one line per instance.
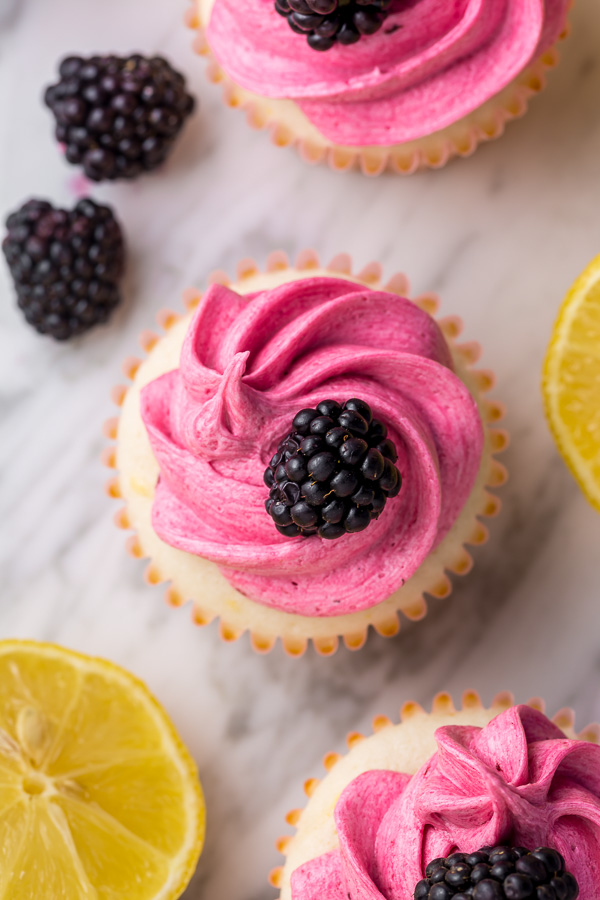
(305, 454)
(385, 84)
(484, 803)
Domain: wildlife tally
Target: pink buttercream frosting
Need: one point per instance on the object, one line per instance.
(519, 780)
(248, 365)
(432, 63)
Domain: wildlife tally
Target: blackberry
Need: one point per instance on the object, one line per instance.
(118, 116)
(498, 873)
(333, 473)
(65, 265)
(327, 22)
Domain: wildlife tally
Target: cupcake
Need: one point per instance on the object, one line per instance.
(306, 453)
(384, 84)
(484, 803)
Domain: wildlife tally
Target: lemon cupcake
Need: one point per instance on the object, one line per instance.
(484, 803)
(277, 537)
(401, 84)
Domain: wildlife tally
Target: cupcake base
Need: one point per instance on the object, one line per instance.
(404, 747)
(200, 581)
(288, 126)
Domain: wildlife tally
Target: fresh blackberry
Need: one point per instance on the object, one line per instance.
(333, 473)
(498, 873)
(66, 265)
(327, 22)
(118, 116)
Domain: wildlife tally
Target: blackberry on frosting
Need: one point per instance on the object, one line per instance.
(333, 473)
(498, 873)
(327, 22)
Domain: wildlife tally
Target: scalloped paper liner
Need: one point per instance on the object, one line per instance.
(385, 616)
(442, 705)
(431, 152)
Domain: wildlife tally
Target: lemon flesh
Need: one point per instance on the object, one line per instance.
(98, 797)
(571, 382)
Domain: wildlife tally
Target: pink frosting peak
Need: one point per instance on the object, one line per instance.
(248, 365)
(432, 63)
(519, 780)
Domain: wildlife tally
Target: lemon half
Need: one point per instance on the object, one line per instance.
(571, 381)
(99, 798)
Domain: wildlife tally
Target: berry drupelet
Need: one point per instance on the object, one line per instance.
(333, 473)
(118, 116)
(66, 265)
(499, 873)
(327, 22)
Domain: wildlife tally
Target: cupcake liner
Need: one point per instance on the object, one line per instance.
(237, 613)
(442, 705)
(284, 120)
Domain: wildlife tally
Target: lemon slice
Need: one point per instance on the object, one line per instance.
(571, 381)
(99, 799)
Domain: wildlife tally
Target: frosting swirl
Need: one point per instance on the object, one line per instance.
(519, 779)
(248, 364)
(432, 63)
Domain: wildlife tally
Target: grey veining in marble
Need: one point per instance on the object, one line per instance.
(500, 237)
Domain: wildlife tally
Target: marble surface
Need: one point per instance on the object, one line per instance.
(500, 237)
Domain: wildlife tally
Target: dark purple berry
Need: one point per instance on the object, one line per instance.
(353, 451)
(322, 466)
(488, 890)
(360, 407)
(387, 449)
(302, 420)
(344, 483)
(551, 859)
(364, 496)
(295, 469)
(312, 444)
(290, 492)
(441, 891)
(66, 265)
(329, 478)
(329, 408)
(377, 429)
(518, 887)
(322, 43)
(533, 867)
(390, 479)
(373, 465)
(327, 22)
(357, 519)
(124, 112)
(289, 530)
(480, 872)
(331, 531)
(354, 422)
(502, 870)
(335, 511)
(321, 425)
(303, 515)
(280, 513)
(313, 493)
(498, 873)
(458, 876)
(336, 436)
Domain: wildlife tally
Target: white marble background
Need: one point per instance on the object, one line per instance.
(500, 236)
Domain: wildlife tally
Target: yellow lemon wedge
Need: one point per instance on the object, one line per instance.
(571, 381)
(99, 799)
